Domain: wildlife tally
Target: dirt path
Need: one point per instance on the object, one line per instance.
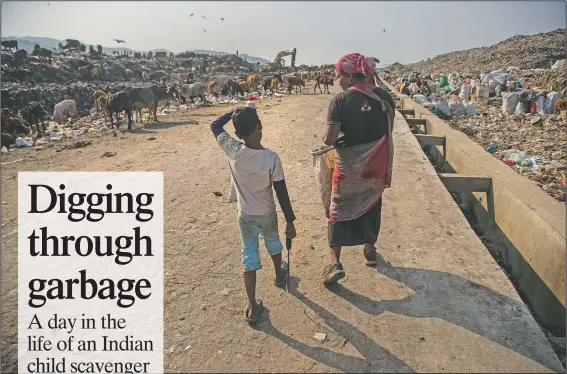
(204, 294)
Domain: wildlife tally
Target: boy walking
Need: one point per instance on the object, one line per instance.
(255, 170)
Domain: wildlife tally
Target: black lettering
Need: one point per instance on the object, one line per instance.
(52, 203)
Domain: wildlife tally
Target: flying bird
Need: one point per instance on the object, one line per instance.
(222, 19)
(191, 15)
(119, 41)
(204, 30)
(204, 17)
(384, 30)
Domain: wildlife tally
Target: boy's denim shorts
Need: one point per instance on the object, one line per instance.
(250, 228)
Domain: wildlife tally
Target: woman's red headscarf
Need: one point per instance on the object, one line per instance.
(357, 63)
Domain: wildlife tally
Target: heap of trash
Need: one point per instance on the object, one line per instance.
(538, 51)
(524, 127)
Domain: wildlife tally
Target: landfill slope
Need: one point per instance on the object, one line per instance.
(537, 51)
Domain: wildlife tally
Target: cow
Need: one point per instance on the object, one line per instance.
(9, 44)
(232, 88)
(117, 103)
(244, 85)
(143, 97)
(253, 81)
(72, 44)
(215, 85)
(191, 91)
(325, 80)
(271, 82)
(149, 97)
(20, 54)
(160, 54)
(292, 81)
(34, 113)
(64, 110)
(102, 102)
(96, 95)
(43, 52)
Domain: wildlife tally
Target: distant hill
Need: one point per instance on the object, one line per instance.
(28, 42)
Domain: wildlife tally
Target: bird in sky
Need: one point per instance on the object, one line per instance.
(204, 30)
(222, 19)
(204, 17)
(119, 41)
(191, 15)
(384, 30)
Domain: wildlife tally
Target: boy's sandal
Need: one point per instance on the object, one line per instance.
(252, 319)
(285, 270)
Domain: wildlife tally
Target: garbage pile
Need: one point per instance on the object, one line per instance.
(533, 144)
(530, 52)
(523, 127)
(30, 78)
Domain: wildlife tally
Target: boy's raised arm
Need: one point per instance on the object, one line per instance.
(217, 126)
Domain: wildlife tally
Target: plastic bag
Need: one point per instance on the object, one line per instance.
(443, 106)
(420, 99)
(24, 142)
(509, 102)
(470, 109)
(414, 89)
(457, 108)
(550, 103)
(522, 107)
(324, 163)
(540, 107)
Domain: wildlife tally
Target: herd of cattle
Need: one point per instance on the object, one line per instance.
(138, 98)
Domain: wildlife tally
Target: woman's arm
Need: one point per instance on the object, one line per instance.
(333, 122)
(331, 134)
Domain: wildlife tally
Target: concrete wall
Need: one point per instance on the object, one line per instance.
(526, 224)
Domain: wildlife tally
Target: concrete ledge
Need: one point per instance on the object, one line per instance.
(430, 139)
(405, 111)
(529, 226)
(460, 183)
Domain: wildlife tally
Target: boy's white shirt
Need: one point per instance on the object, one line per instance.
(252, 174)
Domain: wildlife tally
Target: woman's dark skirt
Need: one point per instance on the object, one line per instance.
(359, 231)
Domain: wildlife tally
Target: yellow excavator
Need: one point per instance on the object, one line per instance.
(280, 56)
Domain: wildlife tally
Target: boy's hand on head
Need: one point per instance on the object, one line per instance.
(290, 230)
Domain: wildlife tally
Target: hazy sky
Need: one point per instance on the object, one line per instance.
(321, 31)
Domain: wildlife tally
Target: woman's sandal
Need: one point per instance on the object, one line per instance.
(369, 256)
(252, 319)
(285, 269)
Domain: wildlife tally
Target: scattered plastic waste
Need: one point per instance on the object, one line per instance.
(24, 142)
(492, 148)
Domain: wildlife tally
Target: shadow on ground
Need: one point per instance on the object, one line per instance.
(376, 358)
(458, 301)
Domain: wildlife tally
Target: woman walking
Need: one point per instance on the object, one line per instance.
(359, 126)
